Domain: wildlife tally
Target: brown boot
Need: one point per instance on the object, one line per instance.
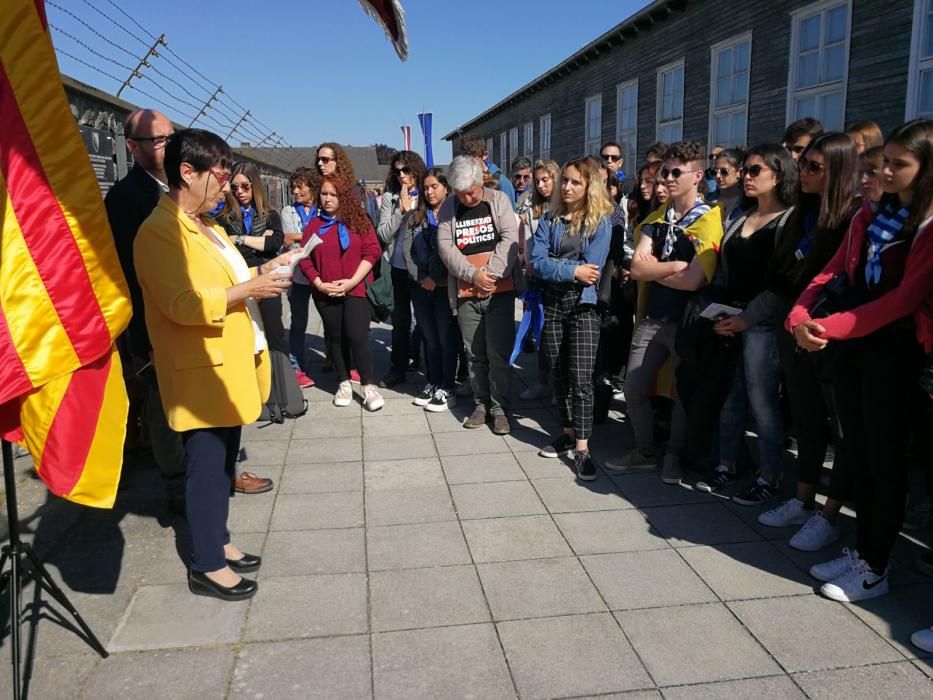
(477, 420)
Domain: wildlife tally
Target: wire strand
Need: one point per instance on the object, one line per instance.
(90, 50)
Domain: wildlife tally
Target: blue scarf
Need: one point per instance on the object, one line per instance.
(674, 226)
(303, 216)
(432, 220)
(342, 231)
(883, 229)
(532, 322)
(809, 226)
(247, 213)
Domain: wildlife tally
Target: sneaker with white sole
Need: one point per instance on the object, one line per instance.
(834, 568)
(671, 471)
(424, 398)
(923, 639)
(858, 583)
(636, 460)
(534, 392)
(720, 479)
(344, 395)
(759, 493)
(791, 512)
(561, 446)
(372, 399)
(815, 534)
(441, 401)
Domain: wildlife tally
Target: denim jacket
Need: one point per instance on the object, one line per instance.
(550, 268)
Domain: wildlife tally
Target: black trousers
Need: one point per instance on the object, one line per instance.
(210, 458)
(271, 312)
(406, 343)
(570, 338)
(873, 386)
(346, 332)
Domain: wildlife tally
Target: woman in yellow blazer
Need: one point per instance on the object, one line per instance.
(209, 352)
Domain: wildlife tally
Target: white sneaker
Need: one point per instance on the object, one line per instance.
(372, 399)
(344, 395)
(858, 583)
(815, 534)
(441, 401)
(833, 569)
(923, 639)
(534, 392)
(790, 513)
(425, 396)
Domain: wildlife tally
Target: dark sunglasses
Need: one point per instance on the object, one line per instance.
(811, 166)
(752, 170)
(714, 156)
(611, 157)
(674, 173)
(325, 159)
(797, 149)
(245, 187)
(402, 171)
(713, 172)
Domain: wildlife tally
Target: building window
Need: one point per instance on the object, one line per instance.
(529, 151)
(513, 146)
(544, 133)
(670, 107)
(729, 70)
(489, 143)
(627, 122)
(819, 63)
(503, 154)
(920, 77)
(593, 125)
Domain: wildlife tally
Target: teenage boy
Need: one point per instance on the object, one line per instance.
(798, 135)
(675, 254)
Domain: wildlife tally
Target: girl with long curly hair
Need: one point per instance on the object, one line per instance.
(568, 253)
(338, 270)
(332, 159)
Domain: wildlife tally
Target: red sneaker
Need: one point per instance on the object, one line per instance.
(354, 376)
(304, 381)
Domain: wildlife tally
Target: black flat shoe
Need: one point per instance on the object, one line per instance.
(245, 564)
(200, 584)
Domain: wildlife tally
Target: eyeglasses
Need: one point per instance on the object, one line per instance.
(156, 141)
(752, 170)
(245, 187)
(402, 171)
(325, 159)
(722, 172)
(222, 177)
(674, 173)
(811, 166)
(611, 157)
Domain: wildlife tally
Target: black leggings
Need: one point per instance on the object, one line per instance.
(346, 330)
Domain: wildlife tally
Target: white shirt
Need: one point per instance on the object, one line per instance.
(242, 273)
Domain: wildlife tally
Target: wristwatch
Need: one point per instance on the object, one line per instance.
(239, 240)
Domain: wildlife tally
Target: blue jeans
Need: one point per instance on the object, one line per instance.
(299, 300)
(436, 321)
(756, 386)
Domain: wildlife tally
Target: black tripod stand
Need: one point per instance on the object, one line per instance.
(23, 566)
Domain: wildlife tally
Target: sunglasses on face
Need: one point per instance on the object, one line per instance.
(325, 159)
(222, 177)
(674, 173)
(797, 149)
(752, 170)
(611, 157)
(237, 187)
(810, 166)
(714, 156)
(402, 171)
(723, 172)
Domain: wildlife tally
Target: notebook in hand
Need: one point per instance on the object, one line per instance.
(465, 290)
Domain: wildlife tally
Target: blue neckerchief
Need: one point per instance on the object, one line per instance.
(247, 213)
(883, 229)
(809, 226)
(413, 193)
(432, 220)
(620, 175)
(342, 231)
(304, 216)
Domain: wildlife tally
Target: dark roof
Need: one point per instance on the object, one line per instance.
(365, 164)
(627, 29)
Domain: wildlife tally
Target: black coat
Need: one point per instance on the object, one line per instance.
(234, 227)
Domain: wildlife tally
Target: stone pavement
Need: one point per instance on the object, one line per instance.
(405, 557)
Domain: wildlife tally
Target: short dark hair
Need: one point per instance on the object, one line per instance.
(779, 160)
(199, 148)
(686, 152)
(656, 149)
(735, 156)
(614, 145)
(808, 126)
(520, 163)
(305, 176)
(473, 145)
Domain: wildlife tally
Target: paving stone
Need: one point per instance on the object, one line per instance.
(560, 587)
(470, 469)
(895, 680)
(402, 506)
(389, 447)
(532, 431)
(260, 454)
(446, 662)
(250, 513)
(318, 511)
(53, 677)
(496, 500)
(675, 644)
(308, 606)
(747, 570)
(653, 579)
(163, 617)
(571, 496)
(769, 688)
(925, 666)
(545, 656)
(537, 467)
(304, 552)
(394, 407)
(193, 673)
(338, 667)
(419, 598)
(403, 474)
(601, 532)
(415, 546)
(709, 524)
(328, 450)
(168, 565)
(469, 442)
(896, 615)
(331, 428)
(800, 643)
(327, 477)
(644, 490)
(510, 539)
(400, 424)
(267, 432)
(449, 421)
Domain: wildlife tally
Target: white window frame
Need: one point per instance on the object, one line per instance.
(823, 88)
(587, 143)
(918, 64)
(529, 141)
(658, 124)
(513, 148)
(732, 109)
(544, 136)
(503, 152)
(490, 142)
(624, 136)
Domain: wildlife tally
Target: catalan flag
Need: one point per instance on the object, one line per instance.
(63, 298)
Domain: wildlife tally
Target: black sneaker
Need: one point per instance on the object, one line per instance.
(758, 493)
(584, 466)
(720, 479)
(425, 396)
(392, 379)
(560, 447)
(441, 401)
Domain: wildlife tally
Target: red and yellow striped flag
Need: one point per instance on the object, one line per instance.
(63, 298)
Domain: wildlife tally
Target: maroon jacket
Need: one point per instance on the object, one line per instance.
(330, 263)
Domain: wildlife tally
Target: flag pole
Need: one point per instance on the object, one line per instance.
(16, 553)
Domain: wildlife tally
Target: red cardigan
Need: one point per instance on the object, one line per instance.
(330, 263)
(914, 295)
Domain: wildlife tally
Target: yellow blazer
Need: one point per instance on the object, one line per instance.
(209, 376)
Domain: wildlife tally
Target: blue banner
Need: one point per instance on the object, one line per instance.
(425, 121)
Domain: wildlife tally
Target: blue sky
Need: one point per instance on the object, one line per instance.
(316, 70)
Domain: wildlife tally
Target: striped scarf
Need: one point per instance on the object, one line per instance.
(883, 229)
(674, 226)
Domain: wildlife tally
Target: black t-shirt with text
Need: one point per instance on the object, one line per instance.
(474, 229)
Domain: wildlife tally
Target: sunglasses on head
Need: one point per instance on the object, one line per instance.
(245, 187)
(611, 157)
(405, 170)
(674, 173)
(325, 159)
(752, 170)
(811, 166)
(713, 172)
(714, 156)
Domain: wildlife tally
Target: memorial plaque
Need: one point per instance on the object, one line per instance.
(99, 145)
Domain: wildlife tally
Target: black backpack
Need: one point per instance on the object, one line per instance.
(285, 397)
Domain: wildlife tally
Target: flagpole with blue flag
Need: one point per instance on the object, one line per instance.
(425, 120)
